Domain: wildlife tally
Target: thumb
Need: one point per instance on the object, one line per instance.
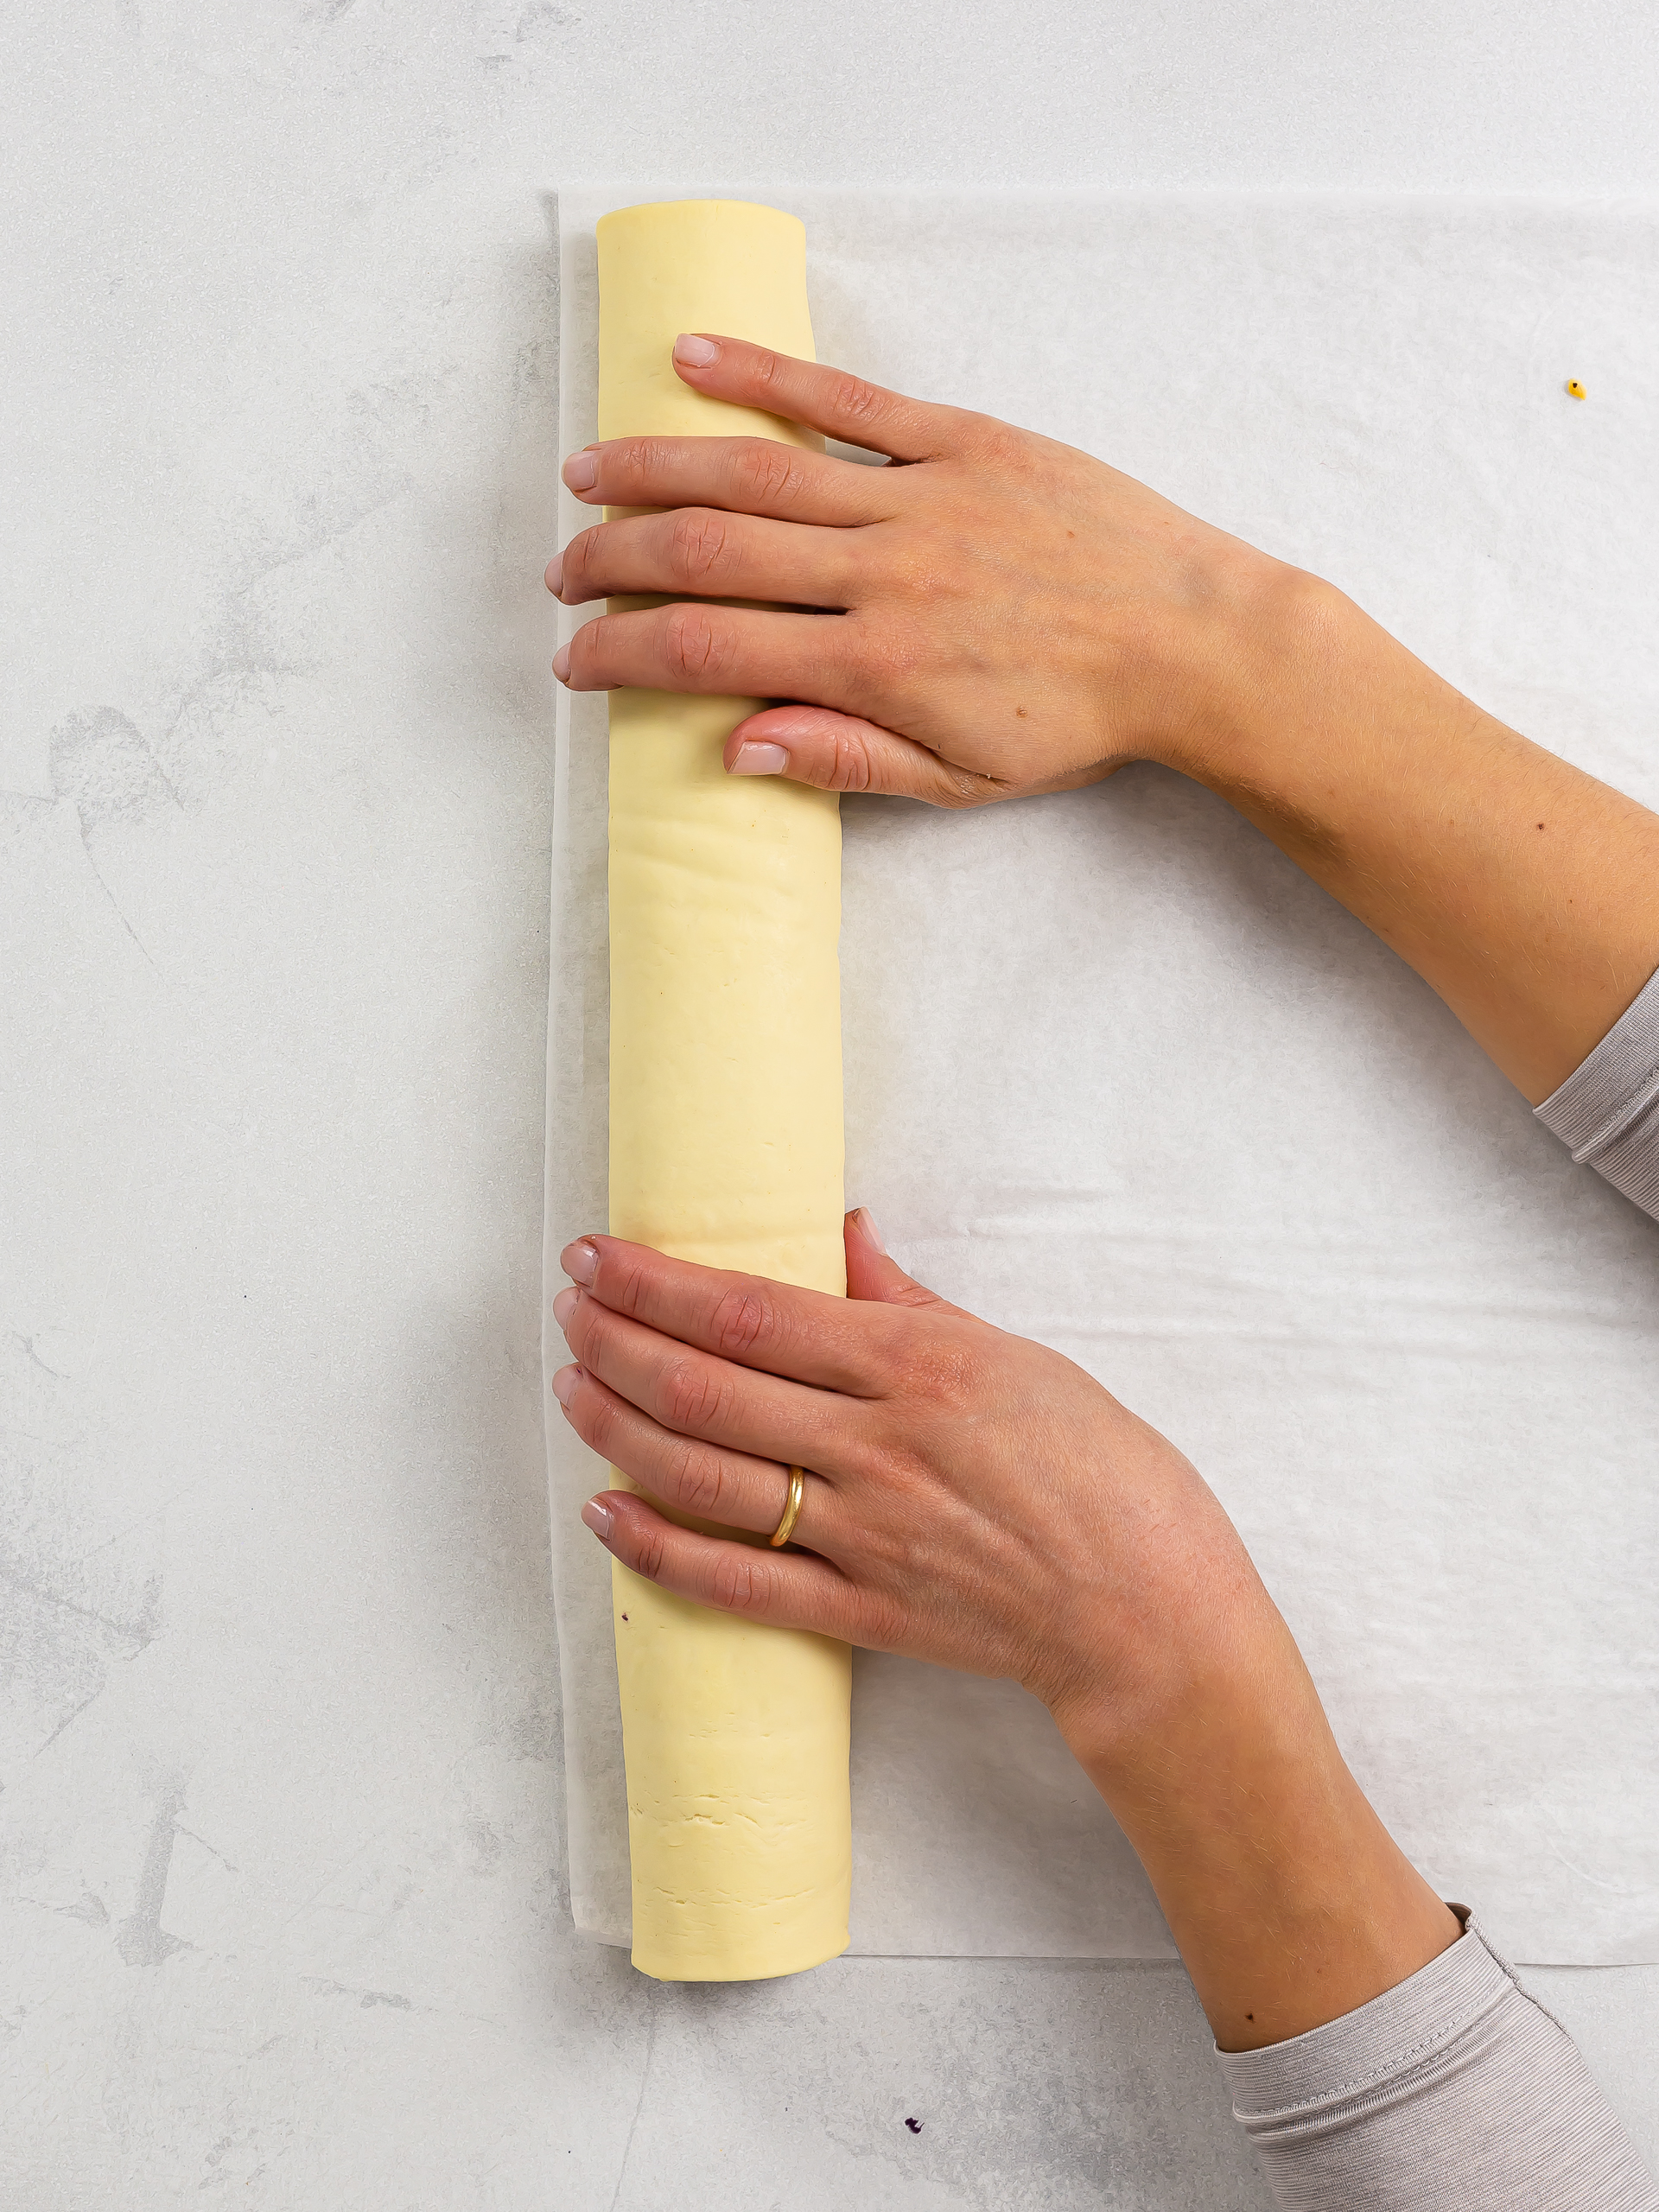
(839, 753)
(871, 1274)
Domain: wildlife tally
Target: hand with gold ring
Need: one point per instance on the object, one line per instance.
(792, 1503)
(975, 1499)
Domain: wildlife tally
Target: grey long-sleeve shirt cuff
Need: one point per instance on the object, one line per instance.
(1607, 1111)
(1456, 2090)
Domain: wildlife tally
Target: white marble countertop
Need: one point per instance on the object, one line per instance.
(279, 1840)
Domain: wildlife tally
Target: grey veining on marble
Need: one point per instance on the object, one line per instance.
(281, 1919)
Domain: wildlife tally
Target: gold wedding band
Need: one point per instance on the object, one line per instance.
(785, 1527)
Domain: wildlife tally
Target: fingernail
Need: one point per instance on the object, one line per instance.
(867, 1229)
(582, 471)
(597, 1515)
(556, 574)
(694, 353)
(564, 1384)
(755, 758)
(580, 1262)
(564, 1306)
(561, 664)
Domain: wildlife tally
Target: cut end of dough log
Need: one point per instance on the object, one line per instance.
(724, 267)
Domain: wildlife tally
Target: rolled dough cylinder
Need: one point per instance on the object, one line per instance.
(726, 1141)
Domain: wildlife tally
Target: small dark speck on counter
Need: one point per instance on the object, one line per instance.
(1540, 825)
(914, 2126)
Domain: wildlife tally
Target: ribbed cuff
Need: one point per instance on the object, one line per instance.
(1367, 2049)
(1457, 2090)
(1607, 1111)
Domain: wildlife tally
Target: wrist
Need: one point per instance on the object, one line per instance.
(1211, 673)
(1224, 1697)
(1278, 642)
(1289, 1899)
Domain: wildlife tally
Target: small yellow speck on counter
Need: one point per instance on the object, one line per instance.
(725, 1133)
(1575, 388)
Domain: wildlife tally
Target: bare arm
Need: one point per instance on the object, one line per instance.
(998, 616)
(1012, 616)
(978, 1500)
(1525, 892)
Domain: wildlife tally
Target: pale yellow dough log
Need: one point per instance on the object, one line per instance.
(726, 1147)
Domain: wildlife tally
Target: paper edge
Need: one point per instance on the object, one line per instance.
(576, 209)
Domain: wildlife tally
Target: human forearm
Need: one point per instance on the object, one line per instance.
(1018, 618)
(1523, 891)
(1368, 2058)
(944, 1457)
(1289, 1899)
(1012, 618)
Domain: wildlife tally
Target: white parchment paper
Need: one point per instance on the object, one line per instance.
(1119, 1076)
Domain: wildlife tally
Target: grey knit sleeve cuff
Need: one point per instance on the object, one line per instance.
(1607, 1111)
(1456, 2088)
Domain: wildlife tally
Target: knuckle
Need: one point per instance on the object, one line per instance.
(695, 647)
(926, 572)
(689, 1395)
(599, 1420)
(589, 647)
(626, 1284)
(700, 546)
(888, 1556)
(742, 1318)
(938, 1371)
(580, 563)
(645, 461)
(849, 767)
(584, 1333)
(854, 401)
(649, 1551)
(886, 1339)
(741, 1581)
(765, 472)
(695, 1480)
(961, 788)
(992, 440)
(886, 1624)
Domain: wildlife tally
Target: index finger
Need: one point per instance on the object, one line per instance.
(832, 1343)
(840, 405)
